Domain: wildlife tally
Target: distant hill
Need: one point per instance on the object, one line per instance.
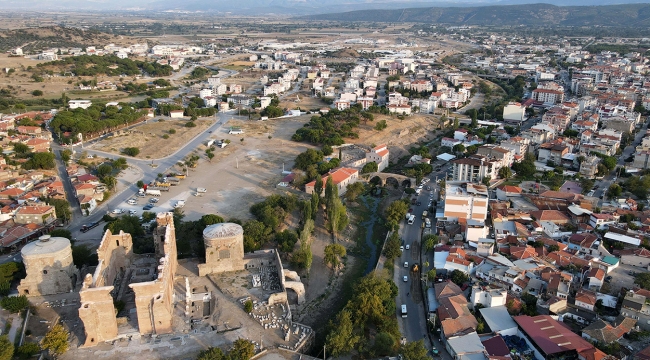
(36, 39)
(624, 15)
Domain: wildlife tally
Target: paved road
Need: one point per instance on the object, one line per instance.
(414, 327)
(140, 169)
(608, 180)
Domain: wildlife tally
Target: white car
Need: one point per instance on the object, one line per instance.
(118, 211)
(408, 247)
(132, 212)
(131, 202)
(401, 248)
(406, 264)
(406, 278)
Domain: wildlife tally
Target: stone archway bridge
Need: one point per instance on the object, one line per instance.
(399, 178)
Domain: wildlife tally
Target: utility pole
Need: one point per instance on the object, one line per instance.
(324, 356)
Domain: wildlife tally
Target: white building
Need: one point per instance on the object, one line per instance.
(84, 104)
(514, 112)
(474, 169)
(469, 203)
(265, 101)
(379, 155)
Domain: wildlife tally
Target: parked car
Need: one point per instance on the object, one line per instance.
(418, 203)
(401, 248)
(408, 246)
(148, 207)
(132, 212)
(118, 211)
(406, 278)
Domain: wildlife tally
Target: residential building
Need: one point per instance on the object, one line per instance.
(466, 203)
(636, 257)
(42, 214)
(380, 155)
(341, 177)
(589, 166)
(75, 104)
(548, 338)
(603, 332)
(474, 169)
(487, 296)
(504, 156)
(514, 112)
(548, 96)
(634, 306)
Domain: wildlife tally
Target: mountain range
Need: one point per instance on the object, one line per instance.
(624, 15)
(277, 7)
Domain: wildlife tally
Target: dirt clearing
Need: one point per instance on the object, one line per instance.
(150, 137)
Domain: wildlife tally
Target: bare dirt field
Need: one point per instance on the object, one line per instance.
(307, 102)
(241, 174)
(400, 135)
(149, 138)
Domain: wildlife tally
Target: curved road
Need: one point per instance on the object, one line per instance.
(145, 170)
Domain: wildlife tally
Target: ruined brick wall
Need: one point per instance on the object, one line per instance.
(114, 254)
(154, 300)
(97, 312)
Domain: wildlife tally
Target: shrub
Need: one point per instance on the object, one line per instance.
(190, 124)
(131, 151)
(37, 93)
(165, 136)
(172, 131)
(248, 306)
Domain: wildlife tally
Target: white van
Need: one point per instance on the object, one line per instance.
(411, 219)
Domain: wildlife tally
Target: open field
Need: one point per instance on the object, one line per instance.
(149, 138)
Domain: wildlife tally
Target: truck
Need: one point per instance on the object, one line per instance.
(173, 181)
(161, 184)
(404, 310)
(235, 131)
(152, 192)
(159, 188)
(92, 225)
(222, 143)
(179, 204)
(180, 176)
(424, 214)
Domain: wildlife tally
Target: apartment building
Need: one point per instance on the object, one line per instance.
(474, 169)
(470, 202)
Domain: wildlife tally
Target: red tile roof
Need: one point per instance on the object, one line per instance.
(551, 336)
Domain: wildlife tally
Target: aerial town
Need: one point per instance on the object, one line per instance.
(181, 185)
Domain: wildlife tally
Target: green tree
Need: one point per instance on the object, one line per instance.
(392, 249)
(14, 304)
(505, 172)
(384, 344)
(27, 350)
(210, 219)
(369, 167)
(42, 160)
(9, 270)
(242, 349)
(431, 275)
(333, 255)
(341, 338)
(614, 191)
(82, 255)
(459, 148)
(6, 348)
(248, 306)
(459, 277)
(395, 212)
(381, 125)
(414, 350)
(213, 353)
(353, 191)
(643, 280)
(61, 209)
(20, 148)
(429, 242)
(56, 340)
(128, 224)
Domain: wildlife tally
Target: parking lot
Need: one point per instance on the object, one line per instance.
(621, 277)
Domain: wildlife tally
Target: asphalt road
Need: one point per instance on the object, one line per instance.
(608, 180)
(413, 327)
(148, 169)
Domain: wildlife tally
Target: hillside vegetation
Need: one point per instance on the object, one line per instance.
(37, 39)
(626, 15)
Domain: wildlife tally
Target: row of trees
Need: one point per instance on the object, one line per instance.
(110, 65)
(92, 121)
